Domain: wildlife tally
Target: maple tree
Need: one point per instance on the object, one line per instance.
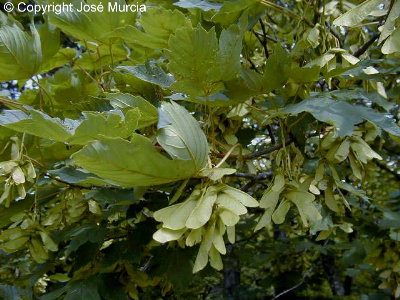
(201, 149)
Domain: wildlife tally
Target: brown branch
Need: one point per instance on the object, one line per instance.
(268, 37)
(271, 134)
(253, 65)
(375, 36)
(254, 177)
(258, 36)
(335, 34)
(266, 151)
(264, 41)
(368, 44)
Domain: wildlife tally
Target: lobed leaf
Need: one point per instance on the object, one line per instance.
(344, 116)
(134, 163)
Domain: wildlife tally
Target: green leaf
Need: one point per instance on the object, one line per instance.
(135, 163)
(38, 124)
(97, 56)
(231, 11)
(230, 48)
(15, 244)
(125, 102)
(48, 242)
(92, 26)
(304, 75)
(60, 58)
(193, 58)
(162, 23)
(330, 200)
(349, 95)
(344, 116)
(52, 56)
(81, 235)
(182, 138)
(67, 92)
(277, 70)
(49, 40)
(150, 72)
(158, 25)
(392, 44)
(390, 22)
(78, 176)
(20, 53)
(199, 63)
(176, 263)
(83, 289)
(93, 127)
(355, 15)
(113, 124)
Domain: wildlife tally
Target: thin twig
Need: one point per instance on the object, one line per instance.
(253, 66)
(271, 134)
(290, 289)
(258, 153)
(266, 151)
(264, 42)
(226, 156)
(255, 177)
(360, 51)
(335, 34)
(268, 37)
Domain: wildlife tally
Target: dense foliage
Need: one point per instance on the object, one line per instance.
(201, 150)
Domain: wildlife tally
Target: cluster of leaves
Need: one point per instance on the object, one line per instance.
(202, 148)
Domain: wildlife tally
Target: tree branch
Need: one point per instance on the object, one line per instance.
(264, 42)
(335, 34)
(255, 177)
(368, 44)
(385, 167)
(266, 151)
(257, 153)
(290, 289)
(253, 65)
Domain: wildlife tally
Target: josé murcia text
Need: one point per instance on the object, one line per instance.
(60, 8)
(111, 7)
